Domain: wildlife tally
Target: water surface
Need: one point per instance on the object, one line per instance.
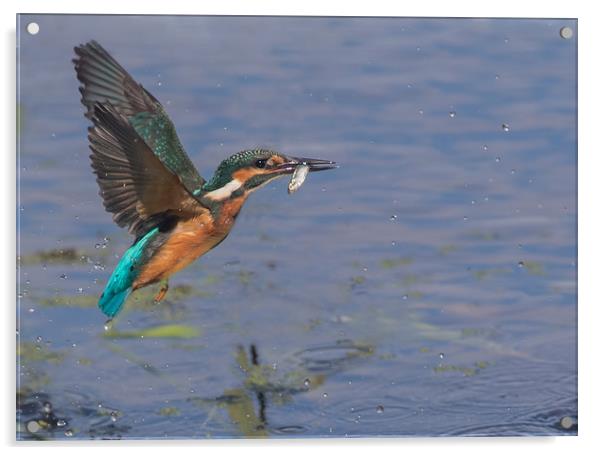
(426, 287)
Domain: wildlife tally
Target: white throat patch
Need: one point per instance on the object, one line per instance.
(225, 191)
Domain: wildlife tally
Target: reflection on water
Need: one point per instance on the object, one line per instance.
(426, 287)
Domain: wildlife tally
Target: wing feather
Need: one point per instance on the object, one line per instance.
(105, 81)
(135, 185)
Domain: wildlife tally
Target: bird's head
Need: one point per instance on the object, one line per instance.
(248, 170)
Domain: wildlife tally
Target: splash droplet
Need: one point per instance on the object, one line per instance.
(505, 127)
(393, 217)
(452, 114)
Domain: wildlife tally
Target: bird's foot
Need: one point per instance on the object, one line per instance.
(161, 294)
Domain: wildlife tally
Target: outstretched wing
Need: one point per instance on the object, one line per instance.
(135, 185)
(106, 81)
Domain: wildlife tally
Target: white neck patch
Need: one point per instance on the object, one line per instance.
(225, 191)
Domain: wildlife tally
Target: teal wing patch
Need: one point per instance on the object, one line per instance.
(106, 82)
(160, 135)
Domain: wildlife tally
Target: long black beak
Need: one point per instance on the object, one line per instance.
(313, 164)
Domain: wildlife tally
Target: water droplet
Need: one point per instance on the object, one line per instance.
(485, 148)
(325, 395)
(393, 217)
(452, 114)
(420, 111)
(473, 202)
(506, 40)
(513, 171)
(441, 355)
(113, 416)
(505, 127)
(159, 83)
(47, 408)
(521, 264)
(498, 159)
(465, 218)
(393, 243)
(103, 243)
(68, 433)
(61, 423)
(62, 276)
(307, 382)
(31, 310)
(497, 77)
(404, 297)
(380, 409)
(38, 339)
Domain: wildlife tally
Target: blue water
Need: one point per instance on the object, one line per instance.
(426, 287)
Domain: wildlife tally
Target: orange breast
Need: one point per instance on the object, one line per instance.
(189, 240)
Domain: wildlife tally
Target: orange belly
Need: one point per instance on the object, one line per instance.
(189, 240)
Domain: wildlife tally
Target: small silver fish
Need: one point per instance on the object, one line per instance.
(298, 178)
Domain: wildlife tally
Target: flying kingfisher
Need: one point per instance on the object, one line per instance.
(150, 185)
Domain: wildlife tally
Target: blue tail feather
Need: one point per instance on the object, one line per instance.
(119, 286)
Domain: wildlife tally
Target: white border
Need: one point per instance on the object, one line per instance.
(590, 229)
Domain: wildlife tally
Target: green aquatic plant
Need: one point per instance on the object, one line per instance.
(162, 331)
(37, 352)
(54, 256)
(465, 370)
(396, 262)
(169, 411)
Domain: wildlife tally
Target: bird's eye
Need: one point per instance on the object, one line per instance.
(260, 163)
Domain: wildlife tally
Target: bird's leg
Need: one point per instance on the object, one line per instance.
(162, 291)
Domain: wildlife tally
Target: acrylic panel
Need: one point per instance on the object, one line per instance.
(425, 285)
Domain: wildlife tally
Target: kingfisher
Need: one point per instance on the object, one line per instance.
(151, 187)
